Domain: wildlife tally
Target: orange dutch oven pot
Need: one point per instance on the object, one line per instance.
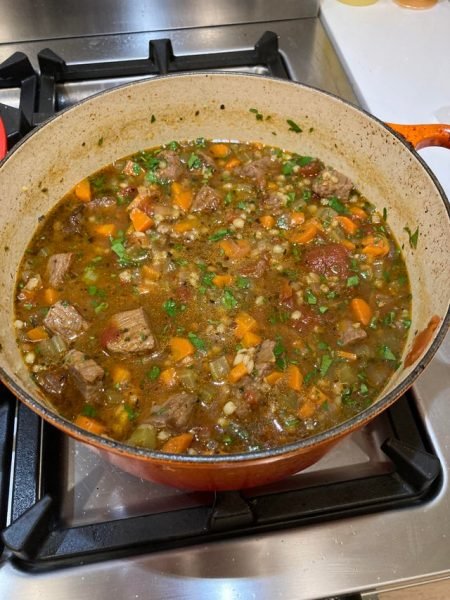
(385, 167)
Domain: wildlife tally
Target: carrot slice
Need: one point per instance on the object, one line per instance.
(304, 236)
(105, 229)
(348, 244)
(178, 444)
(37, 334)
(297, 218)
(186, 225)
(294, 378)
(306, 410)
(219, 150)
(235, 249)
(237, 372)
(244, 323)
(91, 425)
(250, 339)
(375, 246)
(141, 221)
(232, 162)
(347, 225)
(50, 296)
(361, 311)
(358, 212)
(273, 377)
(267, 221)
(222, 280)
(150, 273)
(181, 196)
(181, 347)
(83, 191)
(168, 377)
(120, 374)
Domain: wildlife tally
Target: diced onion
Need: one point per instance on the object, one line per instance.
(219, 368)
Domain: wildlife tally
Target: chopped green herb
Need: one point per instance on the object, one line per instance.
(200, 142)
(173, 145)
(132, 414)
(310, 298)
(387, 353)
(154, 373)
(196, 341)
(307, 195)
(228, 198)
(406, 323)
(219, 235)
(293, 126)
(363, 389)
(352, 281)
(100, 307)
(310, 376)
(88, 410)
(323, 309)
(302, 161)
(242, 282)
(172, 308)
(384, 214)
(325, 364)
(413, 237)
(100, 141)
(336, 205)
(194, 162)
(389, 318)
(152, 119)
(291, 199)
(258, 115)
(228, 300)
(288, 168)
(323, 346)
(118, 247)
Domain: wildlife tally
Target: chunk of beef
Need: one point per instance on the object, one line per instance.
(312, 169)
(53, 381)
(350, 333)
(145, 198)
(265, 357)
(272, 202)
(57, 267)
(65, 320)
(207, 199)
(259, 170)
(130, 332)
(329, 259)
(74, 224)
(86, 374)
(104, 202)
(332, 183)
(254, 267)
(206, 159)
(307, 321)
(175, 412)
(171, 167)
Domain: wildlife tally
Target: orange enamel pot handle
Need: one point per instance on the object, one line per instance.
(422, 136)
(3, 142)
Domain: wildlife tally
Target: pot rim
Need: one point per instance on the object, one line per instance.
(304, 444)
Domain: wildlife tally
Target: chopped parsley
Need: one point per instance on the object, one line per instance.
(413, 237)
(242, 282)
(172, 307)
(258, 115)
(310, 298)
(194, 162)
(132, 414)
(336, 205)
(228, 300)
(325, 364)
(352, 281)
(154, 373)
(88, 410)
(196, 341)
(387, 353)
(219, 235)
(293, 126)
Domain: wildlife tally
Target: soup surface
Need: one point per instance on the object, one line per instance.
(210, 297)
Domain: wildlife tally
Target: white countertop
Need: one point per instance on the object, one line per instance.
(398, 62)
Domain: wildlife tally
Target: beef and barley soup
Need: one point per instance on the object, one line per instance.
(210, 297)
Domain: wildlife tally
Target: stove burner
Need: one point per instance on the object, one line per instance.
(38, 100)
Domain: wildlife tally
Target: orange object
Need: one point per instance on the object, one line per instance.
(141, 221)
(361, 311)
(346, 355)
(297, 218)
(180, 347)
(168, 377)
(267, 221)
(250, 339)
(178, 444)
(181, 196)
(244, 323)
(273, 377)
(237, 372)
(37, 334)
(286, 290)
(305, 235)
(235, 249)
(83, 191)
(150, 273)
(232, 162)
(294, 378)
(306, 410)
(105, 229)
(373, 247)
(422, 136)
(50, 296)
(120, 374)
(422, 340)
(219, 150)
(186, 225)
(347, 225)
(348, 244)
(222, 280)
(89, 424)
(358, 212)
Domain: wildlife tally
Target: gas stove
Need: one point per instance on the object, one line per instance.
(372, 514)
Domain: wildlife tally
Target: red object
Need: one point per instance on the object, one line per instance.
(3, 142)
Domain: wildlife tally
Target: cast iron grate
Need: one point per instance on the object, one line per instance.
(38, 99)
(38, 538)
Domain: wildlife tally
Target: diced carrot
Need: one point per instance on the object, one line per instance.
(358, 212)
(223, 280)
(232, 162)
(178, 443)
(91, 425)
(186, 225)
(375, 246)
(105, 229)
(141, 221)
(50, 296)
(150, 273)
(168, 377)
(347, 224)
(346, 355)
(317, 396)
(83, 191)
(267, 221)
(306, 410)
(235, 249)
(181, 196)
(37, 334)
(294, 378)
(180, 347)
(219, 150)
(362, 312)
(120, 374)
(286, 290)
(307, 234)
(272, 185)
(244, 323)
(297, 218)
(237, 372)
(250, 339)
(348, 244)
(273, 377)
(298, 343)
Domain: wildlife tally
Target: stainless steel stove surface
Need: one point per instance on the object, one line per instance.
(304, 558)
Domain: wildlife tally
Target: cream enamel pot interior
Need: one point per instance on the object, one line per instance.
(57, 155)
